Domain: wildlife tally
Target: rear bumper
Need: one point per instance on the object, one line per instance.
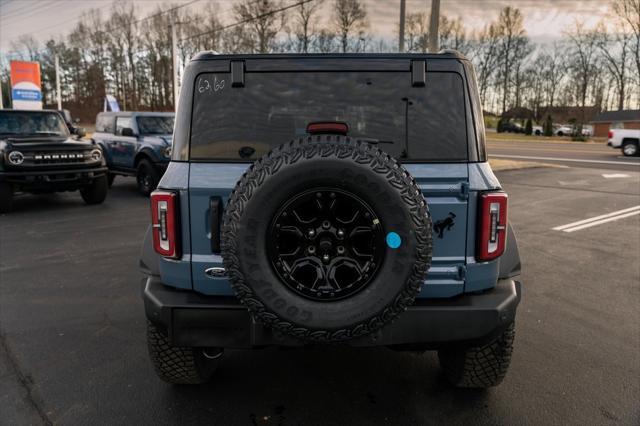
(52, 180)
(192, 319)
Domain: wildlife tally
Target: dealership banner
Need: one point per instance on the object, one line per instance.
(26, 89)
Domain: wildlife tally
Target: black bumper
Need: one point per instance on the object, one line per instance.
(43, 180)
(192, 319)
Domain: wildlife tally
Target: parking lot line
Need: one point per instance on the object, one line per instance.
(575, 160)
(598, 220)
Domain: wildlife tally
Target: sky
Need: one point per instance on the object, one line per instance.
(544, 20)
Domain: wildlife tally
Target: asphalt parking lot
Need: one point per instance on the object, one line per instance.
(72, 344)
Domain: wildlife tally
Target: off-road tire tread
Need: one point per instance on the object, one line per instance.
(151, 170)
(339, 147)
(6, 197)
(96, 191)
(173, 364)
(481, 366)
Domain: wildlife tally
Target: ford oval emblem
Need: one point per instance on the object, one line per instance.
(216, 272)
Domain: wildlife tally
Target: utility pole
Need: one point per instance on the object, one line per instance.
(174, 55)
(402, 17)
(433, 26)
(58, 94)
(1, 104)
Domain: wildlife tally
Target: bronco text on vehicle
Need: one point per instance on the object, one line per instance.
(136, 144)
(37, 155)
(317, 199)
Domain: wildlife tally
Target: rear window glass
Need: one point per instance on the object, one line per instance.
(410, 123)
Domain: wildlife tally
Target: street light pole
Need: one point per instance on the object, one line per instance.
(402, 17)
(174, 55)
(433, 26)
(58, 94)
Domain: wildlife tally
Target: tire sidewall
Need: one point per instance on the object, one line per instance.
(260, 288)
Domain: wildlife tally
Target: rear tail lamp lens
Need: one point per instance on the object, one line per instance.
(492, 225)
(610, 134)
(164, 222)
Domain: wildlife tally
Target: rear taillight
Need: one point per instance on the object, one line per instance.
(610, 134)
(164, 220)
(492, 225)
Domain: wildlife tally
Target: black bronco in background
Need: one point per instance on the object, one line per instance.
(38, 155)
(330, 199)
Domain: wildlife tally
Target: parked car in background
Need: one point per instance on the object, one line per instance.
(136, 144)
(563, 130)
(509, 127)
(538, 130)
(38, 155)
(628, 140)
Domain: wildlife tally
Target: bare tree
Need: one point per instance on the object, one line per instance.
(416, 32)
(304, 25)
(614, 49)
(583, 63)
(263, 20)
(512, 41)
(452, 35)
(628, 11)
(349, 16)
(486, 58)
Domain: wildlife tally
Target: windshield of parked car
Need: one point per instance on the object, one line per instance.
(155, 125)
(409, 122)
(32, 124)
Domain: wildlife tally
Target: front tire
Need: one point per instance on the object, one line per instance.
(147, 177)
(630, 148)
(6, 197)
(480, 366)
(177, 364)
(96, 191)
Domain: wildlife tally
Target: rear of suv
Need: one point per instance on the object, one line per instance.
(321, 199)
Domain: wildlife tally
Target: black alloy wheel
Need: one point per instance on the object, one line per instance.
(326, 244)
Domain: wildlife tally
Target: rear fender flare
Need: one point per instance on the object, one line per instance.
(510, 261)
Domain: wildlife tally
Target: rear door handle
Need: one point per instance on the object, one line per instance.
(215, 218)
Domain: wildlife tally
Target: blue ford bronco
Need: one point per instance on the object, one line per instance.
(38, 155)
(136, 144)
(330, 199)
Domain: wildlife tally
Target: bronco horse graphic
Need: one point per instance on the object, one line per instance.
(444, 224)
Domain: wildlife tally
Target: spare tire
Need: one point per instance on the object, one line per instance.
(326, 239)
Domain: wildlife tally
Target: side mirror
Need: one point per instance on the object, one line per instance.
(128, 131)
(81, 132)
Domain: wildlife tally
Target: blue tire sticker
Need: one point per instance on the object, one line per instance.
(393, 240)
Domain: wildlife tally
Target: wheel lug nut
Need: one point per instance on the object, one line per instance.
(332, 195)
(340, 250)
(340, 233)
(325, 257)
(311, 233)
(326, 224)
(311, 249)
(318, 194)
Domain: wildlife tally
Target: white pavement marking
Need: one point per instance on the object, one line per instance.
(614, 175)
(574, 160)
(598, 220)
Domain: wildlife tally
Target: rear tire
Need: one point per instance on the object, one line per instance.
(96, 191)
(147, 177)
(6, 197)
(176, 364)
(630, 148)
(480, 366)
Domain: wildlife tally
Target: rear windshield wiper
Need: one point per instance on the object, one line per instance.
(375, 141)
